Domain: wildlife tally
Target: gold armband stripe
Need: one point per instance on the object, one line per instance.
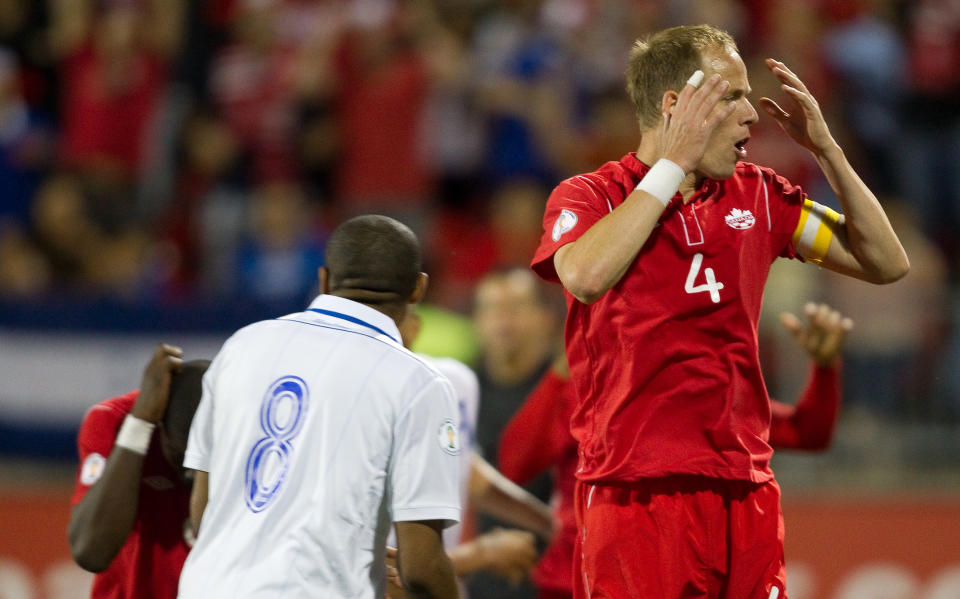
(814, 230)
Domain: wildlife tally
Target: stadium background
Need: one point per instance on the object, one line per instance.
(170, 168)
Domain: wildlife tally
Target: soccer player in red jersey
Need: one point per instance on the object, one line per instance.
(538, 436)
(663, 256)
(129, 522)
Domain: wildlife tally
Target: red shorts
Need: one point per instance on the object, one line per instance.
(679, 537)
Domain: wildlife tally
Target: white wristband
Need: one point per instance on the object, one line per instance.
(135, 434)
(662, 181)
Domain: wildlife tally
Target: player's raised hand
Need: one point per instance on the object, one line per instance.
(690, 117)
(802, 119)
(822, 335)
(155, 387)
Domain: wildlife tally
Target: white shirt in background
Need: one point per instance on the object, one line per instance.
(466, 387)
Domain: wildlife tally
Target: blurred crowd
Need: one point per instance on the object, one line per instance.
(178, 151)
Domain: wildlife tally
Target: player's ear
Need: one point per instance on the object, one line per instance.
(668, 101)
(420, 290)
(324, 275)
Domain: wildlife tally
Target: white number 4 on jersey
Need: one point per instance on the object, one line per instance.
(712, 285)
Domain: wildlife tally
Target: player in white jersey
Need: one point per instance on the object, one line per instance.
(510, 553)
(318, 429)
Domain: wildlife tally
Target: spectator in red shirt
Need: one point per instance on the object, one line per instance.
(131, 502)
(114, 60)
(384, 84)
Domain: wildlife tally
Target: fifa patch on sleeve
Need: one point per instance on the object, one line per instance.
(564, 223)
(814, 230)
(92, 469)
(449, 437)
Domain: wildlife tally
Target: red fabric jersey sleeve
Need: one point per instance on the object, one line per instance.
(785, 213)
(538, 435)
(574, 206)
(97, 434)
(810, 423)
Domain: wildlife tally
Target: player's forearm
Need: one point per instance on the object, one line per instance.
(528, 513)
(467, 558)
(597, 261)
(538, 434)
(810, 423)
(434, 581)
(871, 238)
(423, 564)
(816, 413)
(495, 495)
(198, 499)
(100, 523)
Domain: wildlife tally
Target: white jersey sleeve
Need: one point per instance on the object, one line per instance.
(467, 389)
(425, 472)
(200, 439)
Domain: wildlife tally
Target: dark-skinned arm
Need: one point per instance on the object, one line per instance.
(424, 567)
(101, 522)
(198, 499)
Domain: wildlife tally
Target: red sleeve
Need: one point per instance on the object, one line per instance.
(808, 425)
(95, 440)
(538, 435)
(572, 208)
(783, 203)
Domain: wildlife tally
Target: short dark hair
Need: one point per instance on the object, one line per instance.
(664, 61)
(186, 387)
(376, 258)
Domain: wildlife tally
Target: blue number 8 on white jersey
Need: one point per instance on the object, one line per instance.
(270, 457)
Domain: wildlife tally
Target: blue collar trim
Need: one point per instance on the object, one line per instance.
(352, 319)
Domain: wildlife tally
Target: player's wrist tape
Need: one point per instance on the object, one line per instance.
(135, 434)
(662, 181)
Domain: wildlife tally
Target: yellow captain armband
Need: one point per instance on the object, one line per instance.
(814, 230)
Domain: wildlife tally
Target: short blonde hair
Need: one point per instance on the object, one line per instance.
(664, 60)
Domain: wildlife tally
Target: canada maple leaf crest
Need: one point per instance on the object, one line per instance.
(740, 219)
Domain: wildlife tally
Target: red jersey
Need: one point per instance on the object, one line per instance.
(537, 438)
(149, 563)
(665, 363)
(103, 119)
(810, 423)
